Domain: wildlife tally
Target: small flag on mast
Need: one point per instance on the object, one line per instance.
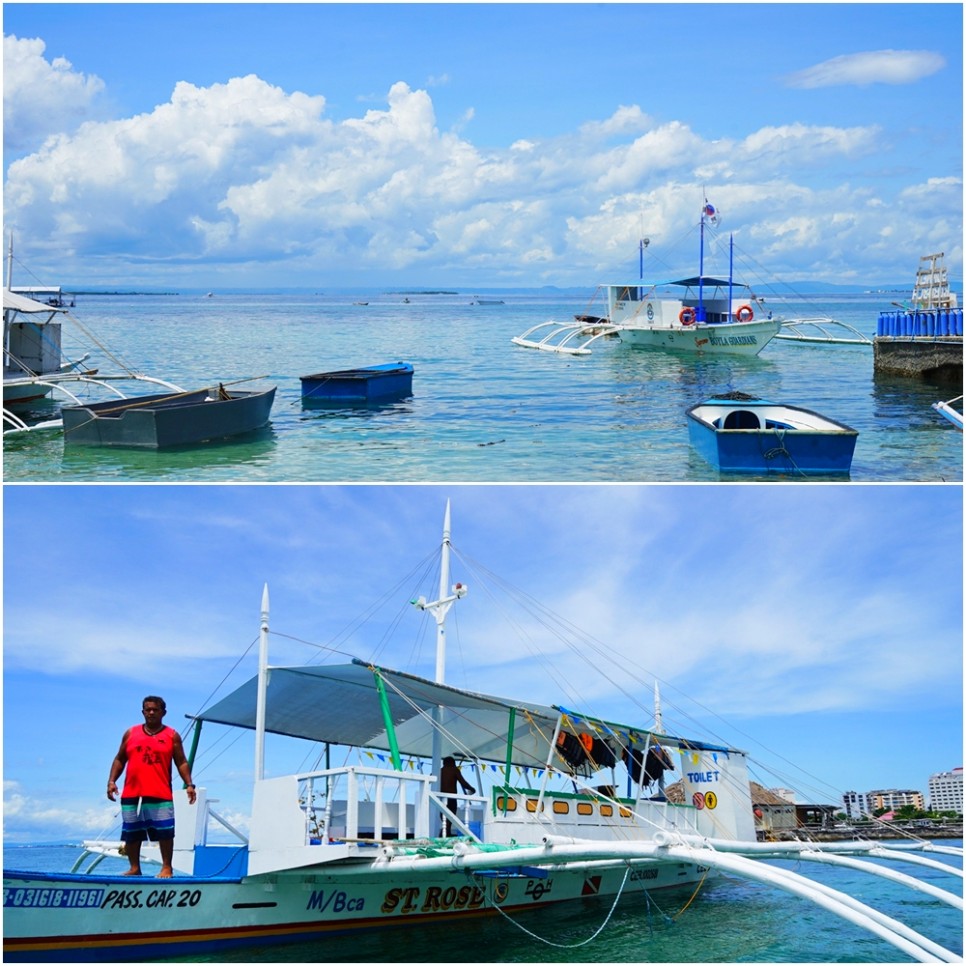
(710, 212)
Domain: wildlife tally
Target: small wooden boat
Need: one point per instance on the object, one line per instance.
(358, 387)
(948, 411)
(741, 434)
(167, 419)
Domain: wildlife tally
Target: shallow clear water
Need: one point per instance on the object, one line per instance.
(482, 409)
(729, 920)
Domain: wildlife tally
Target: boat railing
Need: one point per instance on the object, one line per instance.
(468, 818)
(363, 805)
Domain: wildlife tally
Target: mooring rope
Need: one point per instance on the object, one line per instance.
(583, 942)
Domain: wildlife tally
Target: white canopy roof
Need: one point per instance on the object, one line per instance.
(13, 302)
(340, 704)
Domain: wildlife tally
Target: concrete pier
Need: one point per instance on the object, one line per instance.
(923, 342)
(939, 358)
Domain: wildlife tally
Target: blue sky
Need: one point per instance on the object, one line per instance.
(282, 145)
(818, 627)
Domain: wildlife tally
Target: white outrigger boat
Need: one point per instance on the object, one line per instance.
(34, 365)
(704, 314)
(359, 847)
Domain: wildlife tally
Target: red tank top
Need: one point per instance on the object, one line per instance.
(149, 763)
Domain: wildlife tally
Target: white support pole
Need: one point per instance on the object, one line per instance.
(262, 690)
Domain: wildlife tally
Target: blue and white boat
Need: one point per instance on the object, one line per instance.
(367, 385)
(741, 434)
(564, 805)
(702, 313)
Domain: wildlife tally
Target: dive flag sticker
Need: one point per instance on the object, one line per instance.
(591, 886)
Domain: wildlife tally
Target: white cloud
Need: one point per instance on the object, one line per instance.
(41, 97)
(26, 818)
(870, 67)
(244, 172)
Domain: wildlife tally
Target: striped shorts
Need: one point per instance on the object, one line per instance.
(146, 818)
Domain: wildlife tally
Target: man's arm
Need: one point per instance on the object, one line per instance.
(117, 766)
(184, 769)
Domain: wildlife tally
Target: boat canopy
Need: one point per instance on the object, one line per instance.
(349, 704)
(692, 282)
(14, 302)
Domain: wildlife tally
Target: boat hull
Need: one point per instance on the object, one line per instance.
(166, 419)
(97, 918)
(734, 338)
(748, 437)
(19, 393)
(358, 387)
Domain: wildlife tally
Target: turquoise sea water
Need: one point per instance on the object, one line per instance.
(729, 920)
(482, 409)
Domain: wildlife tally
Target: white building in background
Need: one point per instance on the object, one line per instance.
(946, 791)
(855, 805)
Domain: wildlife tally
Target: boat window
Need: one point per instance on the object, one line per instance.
(625, 812)
(585, 808)
(561, 808)
(506, 805)
(531, 804)
(607, 811)
(741, 419)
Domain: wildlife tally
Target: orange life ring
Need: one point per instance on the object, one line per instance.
(744, 313)
(687, 316)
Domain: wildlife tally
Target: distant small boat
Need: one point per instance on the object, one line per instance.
(742, 434)
(360, 303)
(354, 387)
(480, 301)
(948, 410)
(167, 419)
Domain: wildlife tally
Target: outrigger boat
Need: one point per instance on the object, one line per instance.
(705, 314)
(34, 367)
(358, 847)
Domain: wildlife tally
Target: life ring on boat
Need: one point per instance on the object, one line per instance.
(687, 316)
(744, 313)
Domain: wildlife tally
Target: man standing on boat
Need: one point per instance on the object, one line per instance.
(449, 777)
(147, 809)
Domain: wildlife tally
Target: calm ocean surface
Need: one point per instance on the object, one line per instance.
(731, 920)
(482, 409)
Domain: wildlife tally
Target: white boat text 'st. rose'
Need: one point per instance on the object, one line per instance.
(565, 805)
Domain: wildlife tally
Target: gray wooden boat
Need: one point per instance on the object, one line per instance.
(167, 419)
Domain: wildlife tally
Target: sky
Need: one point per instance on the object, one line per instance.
(818, 627)
(279, 146)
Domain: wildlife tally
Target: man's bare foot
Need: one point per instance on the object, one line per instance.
(166, 873)
(132, 872)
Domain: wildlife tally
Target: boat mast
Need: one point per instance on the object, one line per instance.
(731, 271)
(10, 262)
(439, 609)
(658, 719)
(700, 317)
(262, 690)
